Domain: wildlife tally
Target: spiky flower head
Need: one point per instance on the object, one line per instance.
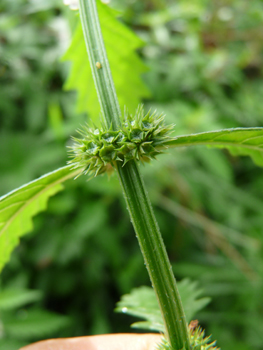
(142, 137)
(197, 338)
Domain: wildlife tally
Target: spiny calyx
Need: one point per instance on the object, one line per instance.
(141, 137)
(198, 340)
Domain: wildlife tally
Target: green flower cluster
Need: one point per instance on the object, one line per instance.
(142, 137)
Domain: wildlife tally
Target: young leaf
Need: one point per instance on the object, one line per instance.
(239, 141)
(126, 65)
(19, 206)
(142, 302)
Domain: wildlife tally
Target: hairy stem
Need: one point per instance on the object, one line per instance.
(135, 194)
(155, 256)
(99, 64)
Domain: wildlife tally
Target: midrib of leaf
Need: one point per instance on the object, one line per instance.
(28, 202)
(220, 144)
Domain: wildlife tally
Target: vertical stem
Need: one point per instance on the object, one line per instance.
(135, 194)
(155, 255)
(97, 54)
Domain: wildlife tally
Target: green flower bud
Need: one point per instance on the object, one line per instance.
(109, 136)
(136, 135)
(108, 154)
(92, 148)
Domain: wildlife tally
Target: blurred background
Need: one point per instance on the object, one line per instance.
(205, 61)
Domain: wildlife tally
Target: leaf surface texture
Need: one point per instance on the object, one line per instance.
(239, 141)
(19, 206)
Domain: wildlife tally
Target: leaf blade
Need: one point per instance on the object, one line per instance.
(239, 141)
(19, 206)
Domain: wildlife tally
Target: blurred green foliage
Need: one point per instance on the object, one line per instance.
(205, 72)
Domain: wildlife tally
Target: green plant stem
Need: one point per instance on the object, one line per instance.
(97, 55)
(155, 256)
(135, 194)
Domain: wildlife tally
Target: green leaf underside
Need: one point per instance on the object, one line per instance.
(126, 65)
(142, 302)
(239, 141)
(19, 206)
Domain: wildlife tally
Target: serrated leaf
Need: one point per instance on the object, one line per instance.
(34, 323)
(190, 292)
(14, 298)
(19, 206)
(142, 302)
(125, 64)
(239, 141)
